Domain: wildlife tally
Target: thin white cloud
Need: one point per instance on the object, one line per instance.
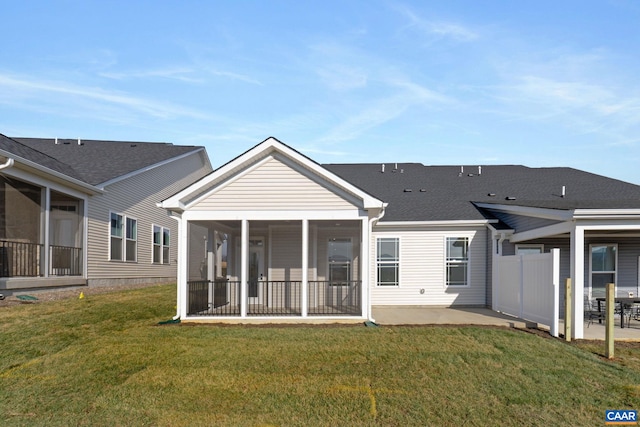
(63, 94)
(234, 76)
(434, 29)
(172, 73)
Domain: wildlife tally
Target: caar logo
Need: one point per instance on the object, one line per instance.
(621, 417)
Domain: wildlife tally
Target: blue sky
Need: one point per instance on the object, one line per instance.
(539, 83)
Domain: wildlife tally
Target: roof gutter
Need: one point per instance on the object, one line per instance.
(9, 163)
(87, 188)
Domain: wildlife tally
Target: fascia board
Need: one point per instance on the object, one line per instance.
(606, 213)
(537, 233)
(419, 224)
(59, 177)
(546, 213)
(148, 168)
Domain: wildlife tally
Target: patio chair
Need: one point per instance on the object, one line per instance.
(591, 312)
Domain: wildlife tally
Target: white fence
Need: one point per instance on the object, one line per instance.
(527, 286)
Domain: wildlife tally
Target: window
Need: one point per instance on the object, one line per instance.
(116, 237)
(457, 261)
(132, 239)
(603, 268)
(388, 261)
(529, 249)
(160, 245)
(123, 244)
(340, 253)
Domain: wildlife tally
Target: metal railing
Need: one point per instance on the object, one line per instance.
(213, 298)
(274, 298)
(20, 259)
(343, 298)
(65, 261)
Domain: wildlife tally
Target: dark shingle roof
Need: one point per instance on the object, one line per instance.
(93, 162)
(441, 193)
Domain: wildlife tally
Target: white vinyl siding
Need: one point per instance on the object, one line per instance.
(136, 197)
(274, 185)
(423, 279)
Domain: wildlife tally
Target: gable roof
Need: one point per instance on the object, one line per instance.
(416, 192)
(93, 162)
(270, 146)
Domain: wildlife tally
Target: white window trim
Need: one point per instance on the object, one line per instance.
(529, 246)
(615, 272)
(124, 237)
(469, 258)
(375, 259)
(162, 245)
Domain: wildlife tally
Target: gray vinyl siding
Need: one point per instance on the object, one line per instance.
(422, 266)
(274, 185)
(136, 197)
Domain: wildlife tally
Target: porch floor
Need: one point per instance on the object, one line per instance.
(413, 315)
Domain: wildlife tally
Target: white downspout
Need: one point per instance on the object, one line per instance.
(371, 222)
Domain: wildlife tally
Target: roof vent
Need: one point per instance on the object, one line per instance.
(79, 141)
(408, 190)
(491, 194)
(134, 145)
(469, 174)
(56, 141)
(509, 198)
(382, 168)
(564, 191)
(479, 170)
(423, 190)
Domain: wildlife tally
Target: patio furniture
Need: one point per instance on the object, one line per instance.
(592, 311)
(624, 307)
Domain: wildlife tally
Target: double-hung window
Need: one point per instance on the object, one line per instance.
(457, 261)
(388, 261)
(160, 245)
(123, 243)
(603, 268)
(340, 254)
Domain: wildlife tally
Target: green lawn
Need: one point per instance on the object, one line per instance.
(104, 360)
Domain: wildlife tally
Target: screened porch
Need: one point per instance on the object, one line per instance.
(272, 262)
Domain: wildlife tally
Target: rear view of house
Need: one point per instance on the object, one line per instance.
(274, 235)
(83, 212)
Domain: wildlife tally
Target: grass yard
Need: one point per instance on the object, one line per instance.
(104, 361)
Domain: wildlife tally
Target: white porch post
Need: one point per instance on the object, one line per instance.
(244, 246)
(46, 227)
(577, 275)
(364, 267)
(305, 267)
(183, 250)
(494, 270)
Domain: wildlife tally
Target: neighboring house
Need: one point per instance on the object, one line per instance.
(287, 237)
(84, 212)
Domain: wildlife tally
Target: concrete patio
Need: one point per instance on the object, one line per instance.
(409, 315)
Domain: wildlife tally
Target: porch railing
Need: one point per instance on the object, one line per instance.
(213, 298)
(343, 298)
(65, 261)
(20, 259)
(274, 298)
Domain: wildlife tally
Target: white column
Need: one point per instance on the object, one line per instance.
(577, 279)
(364, 268)
(244, 267)
(183, 251)
(46, 227)
(305, 267)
